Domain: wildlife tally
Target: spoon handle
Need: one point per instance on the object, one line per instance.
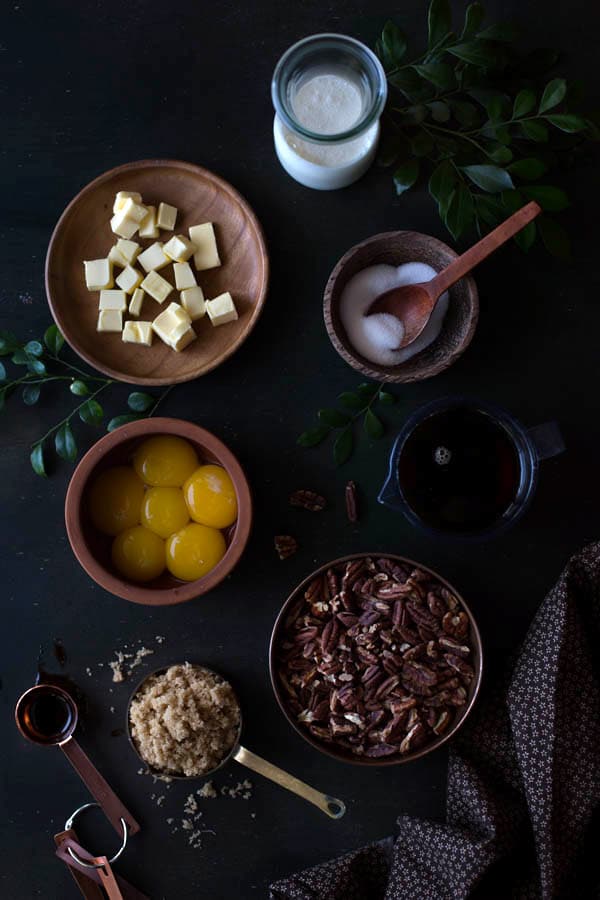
(331, 806)
(483, 248)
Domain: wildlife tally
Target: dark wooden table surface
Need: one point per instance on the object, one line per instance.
(86, 86)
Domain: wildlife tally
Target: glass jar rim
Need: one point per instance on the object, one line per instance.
(284, 111)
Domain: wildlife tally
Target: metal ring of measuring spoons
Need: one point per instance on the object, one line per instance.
(69, 824)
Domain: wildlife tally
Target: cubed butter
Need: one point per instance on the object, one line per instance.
(148, 227)
(137, 212)
(222, 309)
(179, 249)
(206, 255)
(174, 327)
(167, 216)
(116, 257)
(122, 196)
(186, 338)
(192, 300)
(110, 320)
(138, 333)
(157, 286)
(113, 300)
(135, 306)
(129, 250)
(121, 225)
(129, 279)
(184, 277)
(153, 258)
(98, 274)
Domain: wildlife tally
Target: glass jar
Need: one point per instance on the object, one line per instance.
(329, 91)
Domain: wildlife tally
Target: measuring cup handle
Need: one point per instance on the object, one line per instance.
(331, 806)
(98, 787)
(547, 440)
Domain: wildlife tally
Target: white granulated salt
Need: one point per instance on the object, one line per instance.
(376, 337)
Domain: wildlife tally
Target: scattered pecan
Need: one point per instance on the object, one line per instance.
(308, 500)
(351, 502)
(285, 545)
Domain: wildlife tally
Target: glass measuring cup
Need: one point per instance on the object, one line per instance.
(47, 715)
(331, 806)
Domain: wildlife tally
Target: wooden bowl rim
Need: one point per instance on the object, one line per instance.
(138, 593)
(395, 374)
(258, 306)
(339, 754)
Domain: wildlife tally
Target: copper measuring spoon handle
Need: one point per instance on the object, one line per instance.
(98, 787)
(108, 881)
(331, 806)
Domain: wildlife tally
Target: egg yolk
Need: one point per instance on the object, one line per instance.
(210, 497)
(139, 554)
(194, 551)
(165, 461)
(115, 498)
(164, 510)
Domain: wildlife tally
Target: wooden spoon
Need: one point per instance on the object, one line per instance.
(414, 303)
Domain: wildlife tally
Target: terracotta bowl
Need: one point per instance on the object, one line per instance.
(395, 248)
(92, 549)
(83, 232)
(289, 611)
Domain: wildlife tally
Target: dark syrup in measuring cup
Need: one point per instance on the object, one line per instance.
(459, 470)
(49, 716)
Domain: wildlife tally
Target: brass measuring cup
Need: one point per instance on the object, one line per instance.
(331, 806)
(47, 715)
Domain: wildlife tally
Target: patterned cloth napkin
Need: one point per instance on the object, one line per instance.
(523, 812)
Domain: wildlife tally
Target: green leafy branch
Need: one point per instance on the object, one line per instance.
(356, 405)
(472, 115)
(42, 365)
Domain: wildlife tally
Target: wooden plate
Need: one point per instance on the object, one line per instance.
(83, 232)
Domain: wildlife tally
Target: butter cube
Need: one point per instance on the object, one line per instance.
(157, 286)
(148, 227)
(192, 300)
(121, 225)
(113, 300)
(179, 249)
(122, 196)
(135, 306)
(115, 256)
(153, 258)
(129, 250)
(206, 255)
(184, 277)
(138, 333)
(137, 212)
(167, 216)
(110, 320)
(222, 309)
(129, 279)
(186, 338)
(98, 274)
(174, 327)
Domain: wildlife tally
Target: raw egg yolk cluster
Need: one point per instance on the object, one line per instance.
(146, 508)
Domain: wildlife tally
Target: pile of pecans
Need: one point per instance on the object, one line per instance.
(375, 658)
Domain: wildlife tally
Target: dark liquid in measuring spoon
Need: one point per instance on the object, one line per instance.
(459, 470)
(49, 716)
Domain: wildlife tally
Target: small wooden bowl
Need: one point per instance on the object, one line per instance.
(395, 248)
(92, 549)
(83, 232)
(289, 610)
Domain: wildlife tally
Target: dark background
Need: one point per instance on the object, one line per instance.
(89, 85)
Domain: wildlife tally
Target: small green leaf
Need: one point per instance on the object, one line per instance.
(33, 348)
(567, 122)
(333, 417)
(495, 107)
(439, 20)
(476, 53)
(64, 442)
(440, 112)
(489, 209)
(140, 402)
(460, 211)
(535, 130)
(386, 398)
(502, 32)
(343, 446)
(407, 81)
(36, 366)
(393, 43)
(551, 199)
(37, 460)
(421, 144)
(528, 169)
(473, 18)
(91, 412)
(555, 238)
(464, 112)
(373, 425)
(2, 372)
(117, 421)
(313, 436)
(20, 358)
(554, 93)
(489, 178)
(367, 390)
(8, 343)
(79, 388)
(526, 237)
(406, 175)
(351, 400)
(414, 115)
(442, 181)
(53, 340)
(524, 103)
(441, 75)
(500, 154)
(31, 394)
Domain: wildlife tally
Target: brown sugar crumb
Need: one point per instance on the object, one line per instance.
(191, 806)
(207, 791)
(242, 789)
(184, 721)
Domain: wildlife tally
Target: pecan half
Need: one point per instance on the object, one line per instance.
(285, 545)
(351, 502)
(308, 500)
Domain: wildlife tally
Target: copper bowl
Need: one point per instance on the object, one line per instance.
(289, 611)
(395, 248)
(92, 549)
